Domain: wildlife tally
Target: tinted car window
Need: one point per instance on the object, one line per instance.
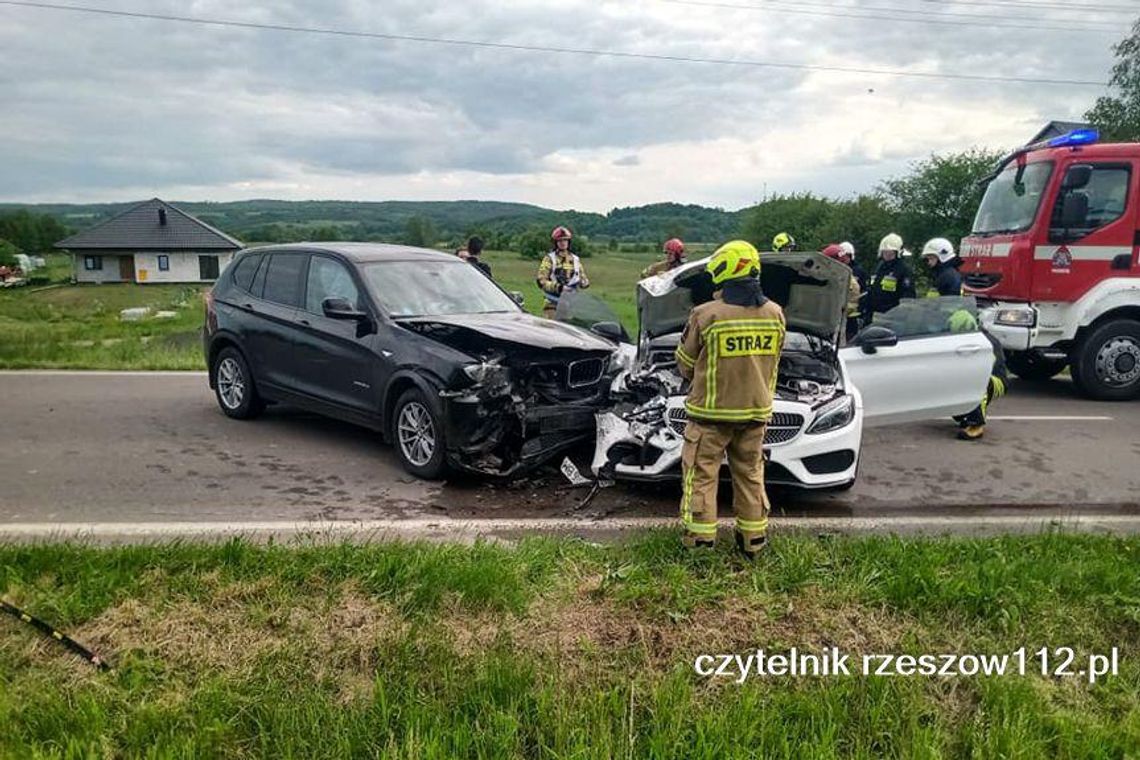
(329, 279)
(244, 271)
(434, 287)
(926, 317)
(283, 279)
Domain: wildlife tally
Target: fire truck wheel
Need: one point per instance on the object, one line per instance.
(1107, 361)
(1032, 367)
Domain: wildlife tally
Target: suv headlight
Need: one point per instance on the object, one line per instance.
(1016, 317)
(486, 373)
(833, 415)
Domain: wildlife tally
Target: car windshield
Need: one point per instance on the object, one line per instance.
(1010, 206)
(434, 288)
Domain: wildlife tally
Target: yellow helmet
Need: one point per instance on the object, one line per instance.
(783, 240)
(733, 260)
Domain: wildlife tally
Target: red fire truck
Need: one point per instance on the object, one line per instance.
(1054, 260)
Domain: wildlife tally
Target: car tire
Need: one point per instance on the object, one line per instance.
(1033, 368)
(1106, 364)
(418, 436)
(233, 386)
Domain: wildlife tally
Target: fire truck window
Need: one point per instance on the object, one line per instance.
(1107, 192)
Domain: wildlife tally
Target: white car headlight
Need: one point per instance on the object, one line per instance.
(1016, 317)
(833, 415)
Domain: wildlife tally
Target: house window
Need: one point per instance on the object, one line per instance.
(164, 263)
(93, 263)
(207, 267)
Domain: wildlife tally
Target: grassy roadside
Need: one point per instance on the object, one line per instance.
(78, 327)
(557, 648)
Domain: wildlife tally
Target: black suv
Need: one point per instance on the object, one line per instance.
(416, 344)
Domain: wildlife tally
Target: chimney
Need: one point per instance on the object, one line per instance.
(162, 217)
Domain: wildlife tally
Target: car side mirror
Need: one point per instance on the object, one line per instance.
(609, 330)
(874, 337)
(518, 297)
(341, 308)
(1074, 211)
(1077, 176)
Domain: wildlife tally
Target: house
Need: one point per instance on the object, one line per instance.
(1056, 129)
(150, 242)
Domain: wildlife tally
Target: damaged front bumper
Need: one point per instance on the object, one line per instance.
(629, 448)
(505, 435)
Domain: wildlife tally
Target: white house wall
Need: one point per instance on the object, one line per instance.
(109, 272)
(183, 266)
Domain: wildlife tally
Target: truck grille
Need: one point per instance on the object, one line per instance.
(981, 280)
(782, 428)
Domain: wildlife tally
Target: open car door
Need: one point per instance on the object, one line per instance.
(909, 366)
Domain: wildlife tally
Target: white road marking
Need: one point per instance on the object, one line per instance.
(459, 530)
(1050, 418)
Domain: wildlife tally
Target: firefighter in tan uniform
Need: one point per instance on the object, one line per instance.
(674, 257)
(730, 350)
(561, 270)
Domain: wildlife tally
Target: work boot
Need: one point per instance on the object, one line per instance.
(698, 541)
(751, 547)
(971, 433)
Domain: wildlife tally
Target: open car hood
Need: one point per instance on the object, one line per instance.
(810, 287)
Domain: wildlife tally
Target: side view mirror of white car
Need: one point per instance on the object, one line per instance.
(875, 337)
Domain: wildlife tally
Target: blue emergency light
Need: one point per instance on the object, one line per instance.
(1074, 138)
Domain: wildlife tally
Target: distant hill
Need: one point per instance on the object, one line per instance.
(448, 221)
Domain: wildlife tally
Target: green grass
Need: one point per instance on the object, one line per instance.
(612, 279)
(78, 327)
(560, 649)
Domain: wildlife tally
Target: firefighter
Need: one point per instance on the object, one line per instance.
(674, 257)
(939, 255)
(560, 270)
(854, 293)
(891, 282)
(730, 351)
(972, 425)
(783, 242)
(848, 258)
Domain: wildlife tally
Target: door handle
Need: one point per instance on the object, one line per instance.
(248, 307)
(305, 322)
(968, 350)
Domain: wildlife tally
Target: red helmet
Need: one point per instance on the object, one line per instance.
(833, 251)
(674, 246)
(559, 233)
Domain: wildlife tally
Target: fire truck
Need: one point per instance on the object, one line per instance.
(1054, 260)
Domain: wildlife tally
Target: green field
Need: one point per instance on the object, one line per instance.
(557, 648)
(78, 326)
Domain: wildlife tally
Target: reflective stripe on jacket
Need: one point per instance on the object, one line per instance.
(732, 355)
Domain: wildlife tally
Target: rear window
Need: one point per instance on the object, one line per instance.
(283, 279)
(245, 269)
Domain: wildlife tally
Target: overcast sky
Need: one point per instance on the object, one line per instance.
(96, 108)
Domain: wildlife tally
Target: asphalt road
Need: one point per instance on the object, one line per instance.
(135, 448)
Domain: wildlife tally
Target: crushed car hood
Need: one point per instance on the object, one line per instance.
(472, 332)
(810, 287)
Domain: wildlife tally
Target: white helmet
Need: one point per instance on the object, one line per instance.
(941, 248)
(891, 242)
(847, 249)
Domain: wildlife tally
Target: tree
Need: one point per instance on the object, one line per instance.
(1118, 117)
(800, 215)
(419, 231)
(863, 221)
(31, 233)
(940, 195)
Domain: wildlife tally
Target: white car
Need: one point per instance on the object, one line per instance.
(907, 366)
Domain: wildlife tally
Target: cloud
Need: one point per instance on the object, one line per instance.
(100, 108)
